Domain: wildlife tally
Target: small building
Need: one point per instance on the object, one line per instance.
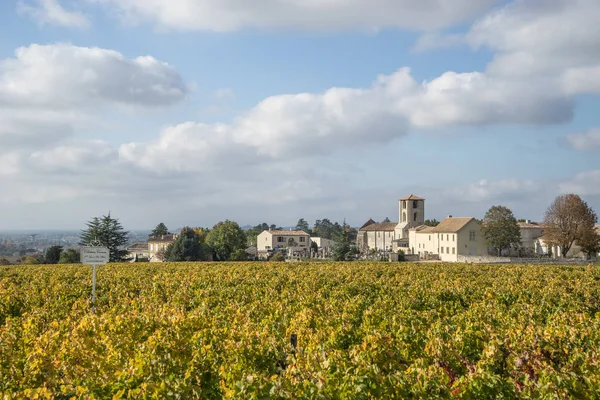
(138, 250)
(453, 237)
(322, 243)
(376, 236)
(272, 240)
(159, 244)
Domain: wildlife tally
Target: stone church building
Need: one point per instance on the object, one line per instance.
(391, 236)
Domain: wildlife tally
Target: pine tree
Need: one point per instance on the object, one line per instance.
(160, 230)
(106, 232)
(342, 249)
(187, 247)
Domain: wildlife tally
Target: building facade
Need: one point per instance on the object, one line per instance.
(159, 244)
(453, 237)
(272, 240)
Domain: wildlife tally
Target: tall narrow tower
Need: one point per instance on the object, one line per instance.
(411, 214)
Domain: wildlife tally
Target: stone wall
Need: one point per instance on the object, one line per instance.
(483, 259)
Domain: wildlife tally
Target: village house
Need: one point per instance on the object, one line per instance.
(452, 238)
(272, 240)
(138, 250)
(158, 245)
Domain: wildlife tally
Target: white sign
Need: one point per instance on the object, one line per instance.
(94, 255)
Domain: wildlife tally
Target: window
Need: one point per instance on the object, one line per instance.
(447, 250)
(430, 238)
(415, 204)
(453, 250)
(472, 236)
(280, 239)
(446, 236)
(442, 249)
(302, 239)
(404, 204)
(415, 217)
(453, 238)
(403, 217)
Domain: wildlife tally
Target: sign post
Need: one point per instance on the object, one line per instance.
(94, 256)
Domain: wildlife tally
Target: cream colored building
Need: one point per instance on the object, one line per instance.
(453, 237)
(322, 243)
(376, 236)
(276, 239)
(159, 244)
(392, 236)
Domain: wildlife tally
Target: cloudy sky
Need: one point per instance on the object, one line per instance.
(194, 111)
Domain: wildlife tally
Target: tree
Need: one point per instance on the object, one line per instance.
(568, 220)
(225, 238)
(589, 242)
(69, 256)
(314, 246)
(302, 225)
(34, 259)
(53, 254)
(431, 222)
(187, 247)
(107, 232)
(160, 230)
(500, 228)
(342, 249)
(239, 255)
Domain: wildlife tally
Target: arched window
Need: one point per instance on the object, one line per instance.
(415, 217)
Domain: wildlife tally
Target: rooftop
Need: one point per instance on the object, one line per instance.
(452, 224)
(412, 197)
(423, 229)
(138, 246)
(287, 233)
(380, 227)
(163, 239)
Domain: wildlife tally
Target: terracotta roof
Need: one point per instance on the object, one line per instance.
(452, 224)
(369, 222)
(381, 227)
(412, 197)
(163, 239)
(423, 229)
(288, 233)
(138, 246)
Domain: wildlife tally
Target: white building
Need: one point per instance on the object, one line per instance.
(391, 236)
(296, 241)
(452, 238)
(322, 243)
(159, 244)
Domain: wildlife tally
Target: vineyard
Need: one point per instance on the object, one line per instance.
(364, 330)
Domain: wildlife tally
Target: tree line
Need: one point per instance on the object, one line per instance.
(568, 221)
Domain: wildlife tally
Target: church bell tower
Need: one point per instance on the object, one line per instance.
(411, 214)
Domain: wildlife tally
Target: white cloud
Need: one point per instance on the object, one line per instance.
(435, 40)
(323, 15)
(65, 76)
(50, 12)
(585, 184)
(305, 125)
(490, 191)
(589, 140)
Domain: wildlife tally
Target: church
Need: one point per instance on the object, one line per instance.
(393, 236)
(453, 239)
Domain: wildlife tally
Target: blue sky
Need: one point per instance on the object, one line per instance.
(241, 113)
